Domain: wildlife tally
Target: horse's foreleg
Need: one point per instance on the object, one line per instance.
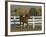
(21, 24)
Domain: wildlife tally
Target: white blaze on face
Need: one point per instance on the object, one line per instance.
(23, 15)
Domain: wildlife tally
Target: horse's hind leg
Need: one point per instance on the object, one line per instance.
(26, 24)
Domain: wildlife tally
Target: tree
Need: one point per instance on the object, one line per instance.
(33, 12)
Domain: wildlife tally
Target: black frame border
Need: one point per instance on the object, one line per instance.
(6, 18)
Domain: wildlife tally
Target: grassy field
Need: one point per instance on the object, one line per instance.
(27, 28)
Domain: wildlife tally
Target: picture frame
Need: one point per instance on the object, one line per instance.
(32, 29)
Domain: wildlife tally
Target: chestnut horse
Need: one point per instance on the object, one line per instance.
(24, 14)
(24, 19)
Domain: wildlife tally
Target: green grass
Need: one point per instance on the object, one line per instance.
(27, 28)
